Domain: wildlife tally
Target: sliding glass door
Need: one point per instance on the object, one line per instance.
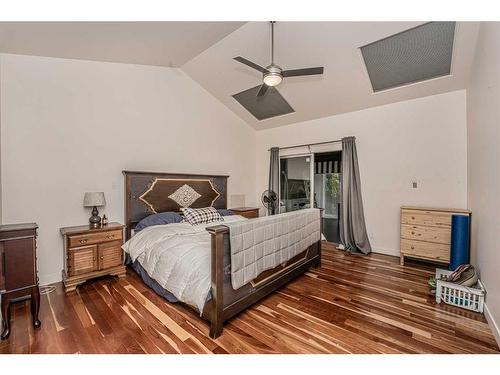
(327, 192)
(296, 182)
(310, 177)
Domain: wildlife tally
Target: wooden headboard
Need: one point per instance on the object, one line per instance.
(147, 193)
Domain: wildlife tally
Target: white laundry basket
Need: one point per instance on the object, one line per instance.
(470, 298)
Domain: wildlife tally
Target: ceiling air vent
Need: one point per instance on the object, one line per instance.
(414, 55)
(263, 107)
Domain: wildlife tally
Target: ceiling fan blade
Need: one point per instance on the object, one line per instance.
(263, 90)
(302, 72)
(250, 64)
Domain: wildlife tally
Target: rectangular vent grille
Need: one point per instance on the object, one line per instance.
(270, 105)
(414, 55)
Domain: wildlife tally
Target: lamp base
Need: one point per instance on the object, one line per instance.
(95, 219)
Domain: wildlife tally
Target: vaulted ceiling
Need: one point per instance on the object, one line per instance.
(344, 86)
(205, 51)
(148, 43)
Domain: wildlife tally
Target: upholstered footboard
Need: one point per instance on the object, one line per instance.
(226, 302)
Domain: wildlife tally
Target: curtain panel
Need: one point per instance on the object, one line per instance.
(353, 233)
(274, 175)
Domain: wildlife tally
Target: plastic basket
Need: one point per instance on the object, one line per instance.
(470, 298)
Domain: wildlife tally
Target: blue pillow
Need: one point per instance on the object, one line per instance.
(158, 219)
(224, 212)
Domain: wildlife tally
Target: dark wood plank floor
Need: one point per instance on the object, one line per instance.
(351, 304)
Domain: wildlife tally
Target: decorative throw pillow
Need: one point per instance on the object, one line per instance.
(204, 215)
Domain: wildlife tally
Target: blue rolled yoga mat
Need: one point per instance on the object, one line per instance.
(459, 240)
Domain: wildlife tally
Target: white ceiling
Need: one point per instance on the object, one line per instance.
(205, 51)
(344, 87)
(149, 43)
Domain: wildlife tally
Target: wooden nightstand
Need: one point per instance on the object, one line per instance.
(92, 252)
(248, 212)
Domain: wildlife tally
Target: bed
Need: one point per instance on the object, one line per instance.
(148, 193)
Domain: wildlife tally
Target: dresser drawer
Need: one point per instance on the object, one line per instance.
(426, 250)
(18, 263)
(437, 219)
(94, 238)
(440, 235)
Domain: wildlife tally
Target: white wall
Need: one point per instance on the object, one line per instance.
(72, 126)
(421, 140)
(483, 111)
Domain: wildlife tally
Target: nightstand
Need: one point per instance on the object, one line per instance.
(92, 252)
(248, 212)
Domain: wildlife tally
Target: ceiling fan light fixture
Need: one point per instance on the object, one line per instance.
(273, 79)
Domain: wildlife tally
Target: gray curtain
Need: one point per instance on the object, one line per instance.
(352, 222)
(274, 174)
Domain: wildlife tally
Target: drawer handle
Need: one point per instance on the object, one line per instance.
(412, 232)
(110, 236)
(102, 257)
(83, 241)
(413, 217)
(413, 247)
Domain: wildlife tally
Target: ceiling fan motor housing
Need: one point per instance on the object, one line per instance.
(273, 76)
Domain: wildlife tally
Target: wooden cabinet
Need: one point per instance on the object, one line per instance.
(426, 233)
(92, 252)
(248, 212)
(18, 270)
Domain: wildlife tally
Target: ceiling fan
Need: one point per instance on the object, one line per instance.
(273, 74)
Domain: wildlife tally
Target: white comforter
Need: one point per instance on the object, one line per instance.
(177, 256)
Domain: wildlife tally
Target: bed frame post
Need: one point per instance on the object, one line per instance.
(318, 262)
(217, 265)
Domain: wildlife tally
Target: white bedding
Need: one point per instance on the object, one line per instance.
(177, 256)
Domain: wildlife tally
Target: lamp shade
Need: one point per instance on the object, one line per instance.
(92, 199)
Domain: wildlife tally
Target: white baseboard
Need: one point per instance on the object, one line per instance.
(50, 278)
(492, 323)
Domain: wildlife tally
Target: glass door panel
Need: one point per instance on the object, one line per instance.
(295, 183)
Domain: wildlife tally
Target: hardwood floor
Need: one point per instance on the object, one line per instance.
(351, 304)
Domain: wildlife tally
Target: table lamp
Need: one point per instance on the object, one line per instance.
(94, 199)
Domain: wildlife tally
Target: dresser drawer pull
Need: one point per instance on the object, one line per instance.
(413, 247)
(102, 257)
(110, 236)
(412, 232)
(84, 241)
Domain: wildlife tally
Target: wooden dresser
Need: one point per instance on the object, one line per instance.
(248, 212)
(426, 233)
(18, 270)
(92, 252)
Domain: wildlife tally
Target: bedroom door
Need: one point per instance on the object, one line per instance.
(296, 182)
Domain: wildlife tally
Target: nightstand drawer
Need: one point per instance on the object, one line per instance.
(94, 238)
(248, 212)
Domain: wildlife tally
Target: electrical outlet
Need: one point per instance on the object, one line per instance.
(414, 184)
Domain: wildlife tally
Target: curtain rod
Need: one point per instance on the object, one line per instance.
(309, 144)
